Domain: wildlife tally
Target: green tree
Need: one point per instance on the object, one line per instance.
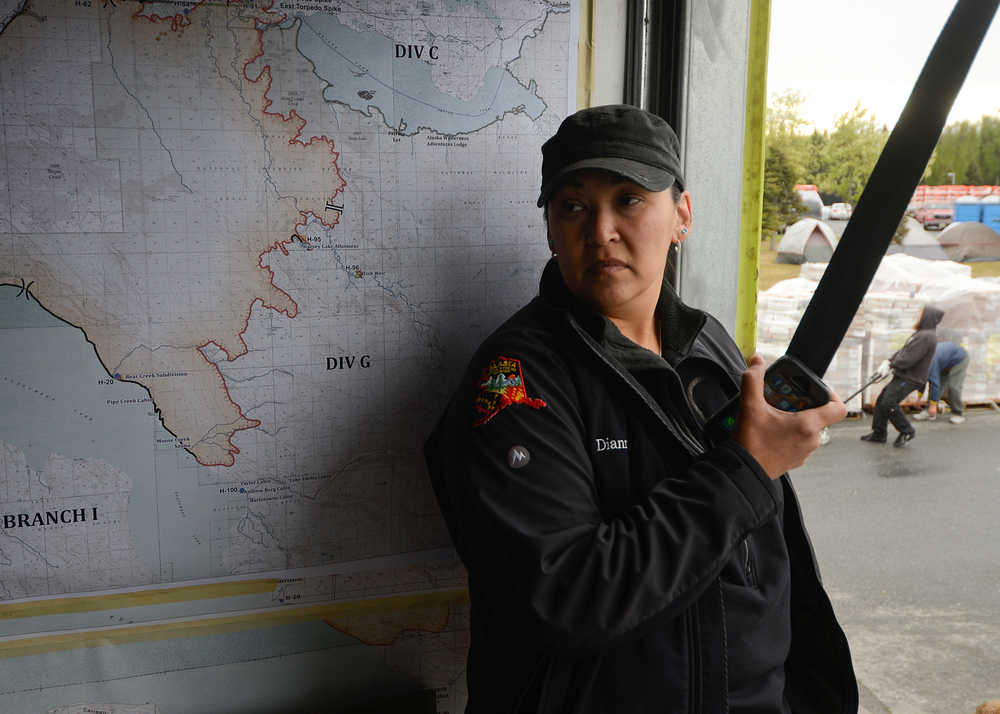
(849, 154)
(988, 156)
(782, 205)
(816, 166)
(967, 153)
(783, 127)
(954, 156)
(784, 163)
(783, 117)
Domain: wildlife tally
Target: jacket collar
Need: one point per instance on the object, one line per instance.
(680, 323)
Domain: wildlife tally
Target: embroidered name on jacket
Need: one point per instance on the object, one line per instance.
(500, 386)
(601, 444)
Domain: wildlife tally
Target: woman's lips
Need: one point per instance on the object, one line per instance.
(609, 265)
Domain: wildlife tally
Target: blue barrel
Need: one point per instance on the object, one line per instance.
(991, 215)
(968, 209)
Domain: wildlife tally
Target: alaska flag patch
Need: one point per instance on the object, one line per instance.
(501, 385)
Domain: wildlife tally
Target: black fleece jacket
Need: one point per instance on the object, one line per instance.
(596, 526)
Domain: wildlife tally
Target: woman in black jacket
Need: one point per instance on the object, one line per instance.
(618, 559)
(910, 366)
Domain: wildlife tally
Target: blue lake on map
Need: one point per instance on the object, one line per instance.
(54, 402)
(364, 64)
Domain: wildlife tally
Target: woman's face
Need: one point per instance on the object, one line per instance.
(611, 237)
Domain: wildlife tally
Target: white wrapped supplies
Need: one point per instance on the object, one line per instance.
(778, 313)
(902, 273)
(888, 314)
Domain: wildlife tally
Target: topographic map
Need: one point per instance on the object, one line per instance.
(245, 251)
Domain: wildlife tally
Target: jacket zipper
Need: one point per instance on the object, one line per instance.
(748, 563)
(678, 430)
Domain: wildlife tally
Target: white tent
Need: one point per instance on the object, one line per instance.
(807, 241)
(965, 242)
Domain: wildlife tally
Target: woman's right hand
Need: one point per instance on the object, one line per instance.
(780, 441)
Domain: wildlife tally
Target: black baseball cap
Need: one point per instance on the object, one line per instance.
(616, 137)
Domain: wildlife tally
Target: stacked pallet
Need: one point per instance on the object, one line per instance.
(972, 318)
(778, 313)
(891, 308)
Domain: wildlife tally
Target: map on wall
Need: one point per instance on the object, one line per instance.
(245, 251)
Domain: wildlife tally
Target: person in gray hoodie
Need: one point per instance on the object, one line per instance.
(910, 366)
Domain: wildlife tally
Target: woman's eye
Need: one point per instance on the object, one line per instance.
(572, 207)
(630, 200)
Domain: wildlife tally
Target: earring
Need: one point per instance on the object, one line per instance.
(684, 231)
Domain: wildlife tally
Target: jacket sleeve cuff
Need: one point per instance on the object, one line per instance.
(762, 493)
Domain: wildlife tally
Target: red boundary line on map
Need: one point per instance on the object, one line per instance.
(177, 22)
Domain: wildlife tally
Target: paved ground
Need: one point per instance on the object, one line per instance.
(909, 545)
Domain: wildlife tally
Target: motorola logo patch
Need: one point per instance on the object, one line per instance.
(518, 457)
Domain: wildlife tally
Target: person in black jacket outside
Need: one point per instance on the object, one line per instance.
(619, 560)
(910, 366)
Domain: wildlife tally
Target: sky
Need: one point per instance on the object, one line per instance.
(837, 53)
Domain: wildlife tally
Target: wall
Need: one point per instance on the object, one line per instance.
(713, 153)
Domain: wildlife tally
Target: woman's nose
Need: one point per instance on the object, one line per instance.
(603, 228)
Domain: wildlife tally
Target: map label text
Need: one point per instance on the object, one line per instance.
(48, 518)
(415, 51)
(348, 362)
